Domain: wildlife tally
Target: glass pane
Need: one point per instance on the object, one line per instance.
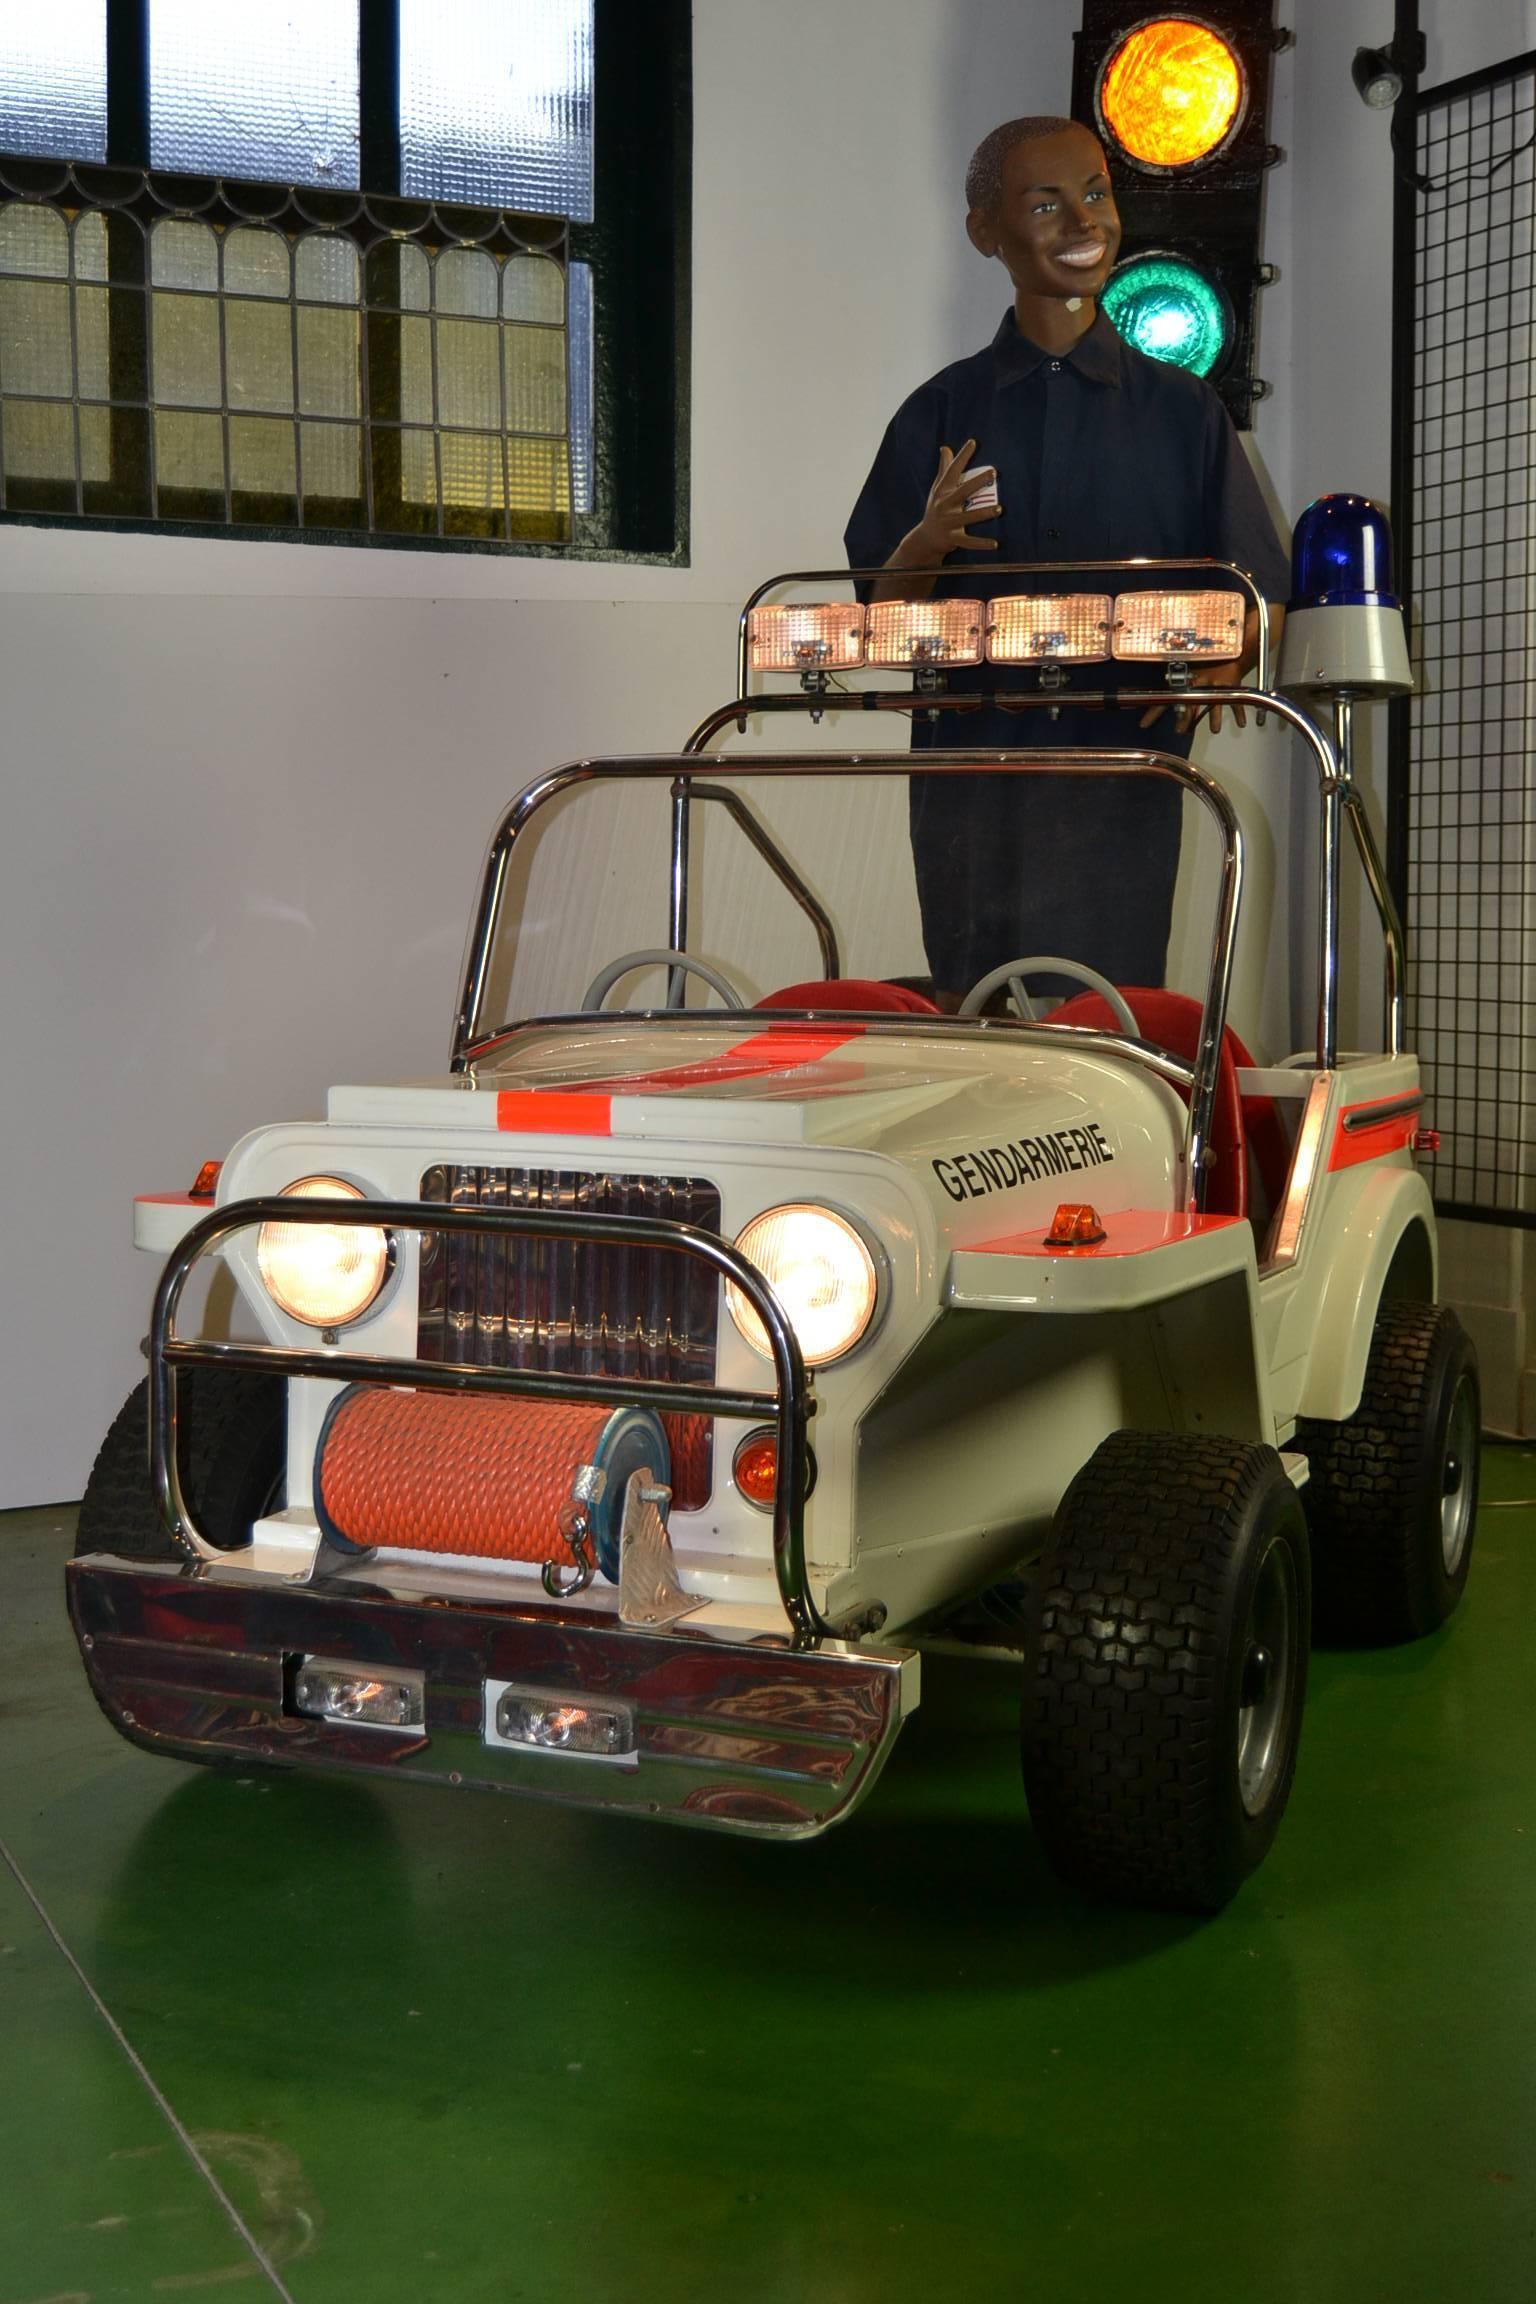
(496, 103)
(261, 457)
(538, 474)
(258, 355)
(95, 444)
(467, 283)
(184, 256)
(533, 288)
(472, 473)
(189, 453)
(33, 241)
(416, 371)
(255, 262)
(90, 246)
(581, 387)
(535, 379)
(186, 352)
(34, 338)
(39, 441)
(263, 88)
(92, 345)
(326, 269)
(328, 347)
(468, 377)
(53, 78)
(332, 460)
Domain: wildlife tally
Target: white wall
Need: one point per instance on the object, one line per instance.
(247, 786)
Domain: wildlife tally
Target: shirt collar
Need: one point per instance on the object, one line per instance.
(1095, 355)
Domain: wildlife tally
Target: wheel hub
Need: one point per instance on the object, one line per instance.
(1265, 1695)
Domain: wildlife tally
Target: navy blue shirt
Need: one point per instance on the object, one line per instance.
(1100, 454)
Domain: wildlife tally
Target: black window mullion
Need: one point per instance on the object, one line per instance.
(378, 85)
(128, 83)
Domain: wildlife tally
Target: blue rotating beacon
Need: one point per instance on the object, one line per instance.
(1344, 632)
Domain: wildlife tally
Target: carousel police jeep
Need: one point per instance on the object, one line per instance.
(628, 1407)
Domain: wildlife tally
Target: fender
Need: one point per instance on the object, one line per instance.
(1378, 1238)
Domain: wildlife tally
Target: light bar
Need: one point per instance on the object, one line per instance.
(354, 1696)
(902, 635)
(1071, 627)
(1151, 627)
(819, 636)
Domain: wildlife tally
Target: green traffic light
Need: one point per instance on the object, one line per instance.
(1170, 311)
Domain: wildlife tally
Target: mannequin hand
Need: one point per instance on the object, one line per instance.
(946, 523)
(1187, 716)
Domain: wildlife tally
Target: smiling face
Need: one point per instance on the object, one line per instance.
(1054, 224)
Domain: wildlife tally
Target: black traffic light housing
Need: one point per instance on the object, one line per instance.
(1212, 214)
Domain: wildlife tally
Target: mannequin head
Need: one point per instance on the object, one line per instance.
(1039, 199)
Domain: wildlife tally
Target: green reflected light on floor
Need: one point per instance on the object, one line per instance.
(461, 2048)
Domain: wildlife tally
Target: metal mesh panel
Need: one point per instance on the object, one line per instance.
(1471, 832)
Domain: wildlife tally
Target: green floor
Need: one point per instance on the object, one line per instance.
(343, 2043)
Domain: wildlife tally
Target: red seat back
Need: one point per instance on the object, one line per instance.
(1172, 1020)
(867, 995)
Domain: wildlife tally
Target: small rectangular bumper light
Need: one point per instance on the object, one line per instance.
(555, 1720)
(1072, 627)
(1152, 627)
(325, 1688)
(816, 636)
(902, 635)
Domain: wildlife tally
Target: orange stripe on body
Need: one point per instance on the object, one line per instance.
(589, 1111)
(1372, 1139)
(554, 1112)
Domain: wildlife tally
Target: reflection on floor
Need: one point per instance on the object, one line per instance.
(391, 2044)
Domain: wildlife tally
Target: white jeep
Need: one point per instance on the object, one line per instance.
(622, 1412)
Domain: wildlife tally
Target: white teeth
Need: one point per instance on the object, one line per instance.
(1083, 258)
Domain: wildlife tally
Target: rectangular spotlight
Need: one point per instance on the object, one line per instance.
(1068, 627)
(811, 636)
(905, 635)
(1152, 627)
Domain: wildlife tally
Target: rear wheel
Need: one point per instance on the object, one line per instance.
(232, 1466)
(1393, 1491)
(1165, 1669)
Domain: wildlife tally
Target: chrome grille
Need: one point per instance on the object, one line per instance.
(579, 1307)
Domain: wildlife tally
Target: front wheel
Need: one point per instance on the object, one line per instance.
(232, 1465)
(1392, 1496)
(1166, 1667)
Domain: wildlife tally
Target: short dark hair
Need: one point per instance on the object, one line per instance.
(984, 177)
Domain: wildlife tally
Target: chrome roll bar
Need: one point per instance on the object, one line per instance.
(789, 1407)
(470, 1038)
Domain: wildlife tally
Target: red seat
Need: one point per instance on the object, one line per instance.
(1171, 1020)
(867, 995)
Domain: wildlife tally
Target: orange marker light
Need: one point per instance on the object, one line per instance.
(1075, 1224)
(1172, 93)
(207, 1180)
(756, 1467)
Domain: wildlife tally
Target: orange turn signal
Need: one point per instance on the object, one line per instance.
(207, 1180)
(756, 1467)
(1076, 1224)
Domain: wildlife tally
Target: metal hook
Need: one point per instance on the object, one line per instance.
(576, 1527)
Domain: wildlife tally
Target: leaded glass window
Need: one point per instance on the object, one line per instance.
(336, 280)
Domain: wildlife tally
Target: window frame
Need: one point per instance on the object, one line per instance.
(638, 247)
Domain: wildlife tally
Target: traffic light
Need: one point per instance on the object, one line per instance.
(1181, 105)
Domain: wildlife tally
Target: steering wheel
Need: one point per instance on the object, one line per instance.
(1012, 973)
(682, 963)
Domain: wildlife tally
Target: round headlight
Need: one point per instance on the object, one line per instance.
(323, 1274)
(822, 1274)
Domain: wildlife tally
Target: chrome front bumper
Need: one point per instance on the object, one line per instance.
(738, 1734)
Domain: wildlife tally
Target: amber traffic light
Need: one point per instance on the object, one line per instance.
(1173, 93)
